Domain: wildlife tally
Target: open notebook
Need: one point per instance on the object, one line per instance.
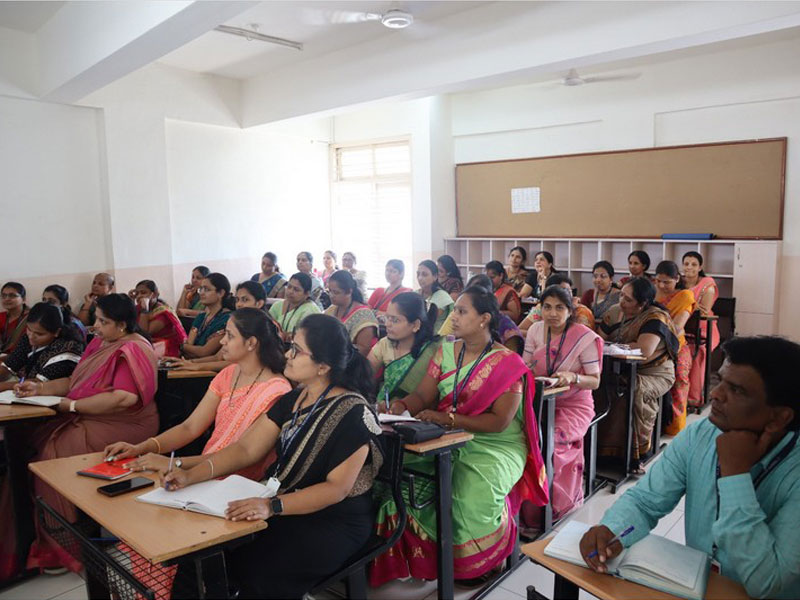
(9, 397)
(209, 497)
(654, 561)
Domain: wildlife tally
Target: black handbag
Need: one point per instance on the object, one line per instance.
(416, 432)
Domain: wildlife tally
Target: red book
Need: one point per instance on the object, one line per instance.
(109, 470)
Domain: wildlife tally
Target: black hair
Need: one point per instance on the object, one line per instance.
(256, 290)
(55, 319)
(150, 285)
(560, 294)
(484, 301)
(450, 267)
(220, 282)
(274, 258)
(19, 288)
(309, 256)
(482, 280)
(345, 281)
(774, 358)
(304, 279)
(558, 279)
(353, 256)
(335, 258)
(397, 265)
(109, 279)
(522, 251)
(699, 258)
(121, 309)
(671, 270)
(431, 266)
(643, 257)
(203, 270)
(412, 307)
(549, 258)
(253, 322)
(497, 267)
(643, 291)
(607, 266)
(329, 343)
(60, 292)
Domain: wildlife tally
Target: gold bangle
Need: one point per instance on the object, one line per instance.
(452, 420)
(158, 446)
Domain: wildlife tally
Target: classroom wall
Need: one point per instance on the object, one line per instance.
(728, 94)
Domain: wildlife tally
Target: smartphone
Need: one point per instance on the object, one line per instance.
(123, 487)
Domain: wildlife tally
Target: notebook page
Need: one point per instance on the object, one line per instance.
(178, 498)
(7, 397)
(234, 487)
(39, 400)
(566, 546)
(665, 559)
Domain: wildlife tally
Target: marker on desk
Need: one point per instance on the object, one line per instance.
(616, 538)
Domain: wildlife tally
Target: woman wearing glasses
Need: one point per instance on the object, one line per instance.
(324, 433)
(205, 337)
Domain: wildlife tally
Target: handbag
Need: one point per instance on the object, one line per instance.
(416, 432)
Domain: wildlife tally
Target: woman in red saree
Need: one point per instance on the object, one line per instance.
(108, 398)
(480, 386)
(381, 298)
(157, 319)
(508, 300)
(13, 318)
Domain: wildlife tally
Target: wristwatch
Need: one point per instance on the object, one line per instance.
(277, 506)
(178, 463)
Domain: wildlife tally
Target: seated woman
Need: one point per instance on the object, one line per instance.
(330, 267)
(432, 292)
(477, 385)
(324, 433)
(305, 264)
(580, 313)
(102, 285)
(603, 295)
(13, 317)
(208, 327)
(50, 350)
(297, 305)
(638, 263)
(516, 272)
(249, 294)
(381, 297)
(189, 304)
(679, 303)
(705, 292)
(348, 306)
(559, 347)
(108, 397)
(640, 322)
(349, 264)
(400, 360)
(544, 266)
(507, 299)
(270, 277)
(156, 318)
(450, 276)
(57, 295)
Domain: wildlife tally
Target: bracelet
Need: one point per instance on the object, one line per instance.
(577, 379)
(208, 460)
(158, 445)
(452, 420)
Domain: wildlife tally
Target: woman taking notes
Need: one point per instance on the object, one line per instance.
(559, 347)
(432, 292)
(477, 385)
(296, 305)
(348, 306)
(324, 433)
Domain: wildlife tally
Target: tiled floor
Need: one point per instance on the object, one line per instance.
(71, 587)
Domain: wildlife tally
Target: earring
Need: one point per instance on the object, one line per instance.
(482, 325)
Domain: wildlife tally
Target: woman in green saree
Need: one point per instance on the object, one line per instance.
(478, 385)
(400, 360)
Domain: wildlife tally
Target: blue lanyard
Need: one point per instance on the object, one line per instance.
(285, 447)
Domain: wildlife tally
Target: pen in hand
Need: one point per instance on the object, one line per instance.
(169, 467)
(616, 538)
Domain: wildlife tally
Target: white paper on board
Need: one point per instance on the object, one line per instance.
(526, 200)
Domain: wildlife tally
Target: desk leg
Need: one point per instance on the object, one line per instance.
(212, 579)
(630, 437)
(564, 589)
(707, 365)
(548, 432)
(21, 505)
(444, 524)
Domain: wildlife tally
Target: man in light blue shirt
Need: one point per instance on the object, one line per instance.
(739, 470)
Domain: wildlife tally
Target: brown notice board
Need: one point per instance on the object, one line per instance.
(731, 189)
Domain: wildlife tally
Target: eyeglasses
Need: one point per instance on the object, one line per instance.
(9, 296)
(395, 320)
(294, 350)
(203, 289)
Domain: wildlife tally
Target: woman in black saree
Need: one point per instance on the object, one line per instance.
(324, 433)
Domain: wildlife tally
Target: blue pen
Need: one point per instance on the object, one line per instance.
(616, 538)
(21, 381)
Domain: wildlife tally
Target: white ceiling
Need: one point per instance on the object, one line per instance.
(322, 26)
(27, 16)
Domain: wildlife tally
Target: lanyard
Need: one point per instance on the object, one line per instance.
(207, 321)
(773, 464)
(285, 447)
(484, 352)
(551, 368)
(291, 314)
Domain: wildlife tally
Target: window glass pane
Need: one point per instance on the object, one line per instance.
(355, 162)
(392, 159)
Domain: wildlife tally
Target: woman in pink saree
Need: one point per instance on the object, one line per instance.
(108, 398)
(480, 386)
(559, 348)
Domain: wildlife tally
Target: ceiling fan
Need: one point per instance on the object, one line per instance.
(572, 78)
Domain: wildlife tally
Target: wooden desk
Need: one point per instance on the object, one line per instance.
(441, 451)
(186, 374)
(572, 578)
(13, 417)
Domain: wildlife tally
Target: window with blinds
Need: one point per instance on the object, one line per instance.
(371, 206)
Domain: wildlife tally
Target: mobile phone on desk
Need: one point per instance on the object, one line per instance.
(123, 487)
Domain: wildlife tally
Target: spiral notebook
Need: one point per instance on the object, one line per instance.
(653, 561)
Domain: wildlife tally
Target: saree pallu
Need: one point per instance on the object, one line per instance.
(380, 300)
(517, 281)
(508, 301)
(12, 331)
(673, 422)
(403, 375)
(273, 285)
(452, 285)
(492, 475)
(172, 334)
(510, 335)
(205, 328)
(444, 302)
(698, 370)
(356, 320)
